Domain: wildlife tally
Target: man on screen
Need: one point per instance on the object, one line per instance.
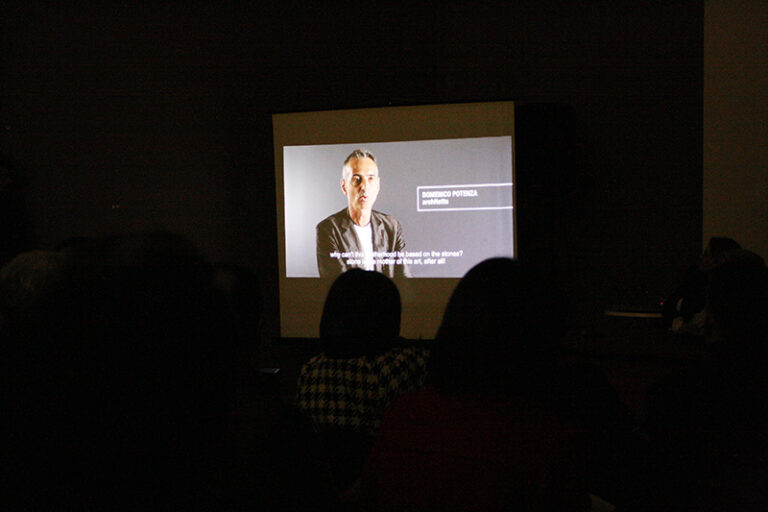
(358, 235)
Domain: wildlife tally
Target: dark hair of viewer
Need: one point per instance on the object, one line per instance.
(737, 301)
(124, 340)
(499, 332)
(716, 247)
(361, 315)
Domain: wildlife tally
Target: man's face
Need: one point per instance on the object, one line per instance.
(361, 185)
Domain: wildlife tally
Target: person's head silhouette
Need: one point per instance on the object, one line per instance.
(361, 314)
(499, 330)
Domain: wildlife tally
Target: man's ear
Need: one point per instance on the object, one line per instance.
(343, 186)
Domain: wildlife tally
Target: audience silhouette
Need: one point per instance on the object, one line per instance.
(709, 423)
(122, 356)
(683, 310)
(123, 371)
(486, 435)
(363, 366)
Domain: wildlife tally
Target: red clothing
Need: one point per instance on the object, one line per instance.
(470, 452)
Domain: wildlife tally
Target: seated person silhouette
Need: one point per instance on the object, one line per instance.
(683, 310)
(709, 423)
(127, 366)
(345, 389)
(483, 434)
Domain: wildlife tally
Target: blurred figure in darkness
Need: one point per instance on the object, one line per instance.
(485, 435)
(123, 370)
(684, 309)
(345, 389)
(710, 423)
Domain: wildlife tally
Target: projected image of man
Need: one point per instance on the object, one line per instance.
(359, 236)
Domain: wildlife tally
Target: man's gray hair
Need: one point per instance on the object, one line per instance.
(355, 155)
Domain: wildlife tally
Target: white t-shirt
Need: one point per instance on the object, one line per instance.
(365, 235)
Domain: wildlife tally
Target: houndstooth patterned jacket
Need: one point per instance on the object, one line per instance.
(353, 393)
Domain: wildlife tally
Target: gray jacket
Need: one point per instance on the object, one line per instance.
(336, 234)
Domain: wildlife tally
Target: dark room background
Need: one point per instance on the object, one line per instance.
(158, 115)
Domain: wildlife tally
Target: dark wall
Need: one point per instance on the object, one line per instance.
(138, 117)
